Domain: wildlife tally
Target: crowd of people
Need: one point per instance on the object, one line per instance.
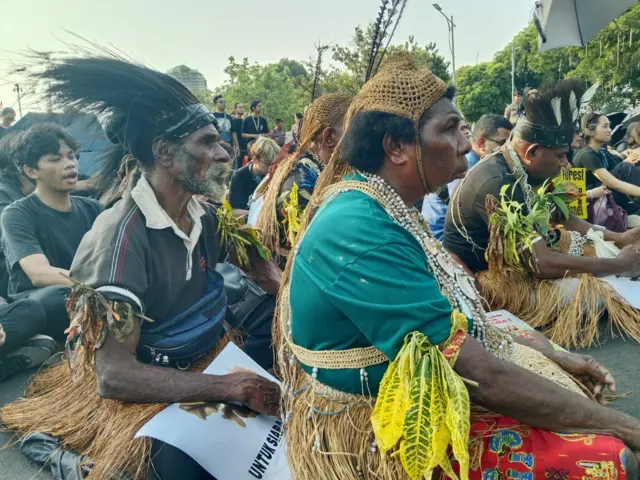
(374, 310)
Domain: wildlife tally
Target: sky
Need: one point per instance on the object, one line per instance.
(204, 33)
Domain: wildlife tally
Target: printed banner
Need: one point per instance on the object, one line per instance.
(510, 323)
(230, 441)
(577, 176)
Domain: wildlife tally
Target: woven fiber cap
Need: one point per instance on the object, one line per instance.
(399, 88)
(322, 113)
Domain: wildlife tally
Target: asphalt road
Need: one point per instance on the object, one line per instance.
(622, 358)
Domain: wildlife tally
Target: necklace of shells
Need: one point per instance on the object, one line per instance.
(453, 281)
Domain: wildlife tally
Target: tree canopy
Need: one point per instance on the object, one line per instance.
(612, 58)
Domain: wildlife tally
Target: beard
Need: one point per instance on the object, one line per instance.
(214, 183)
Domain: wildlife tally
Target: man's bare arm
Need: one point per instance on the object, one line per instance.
(509, 390)
(41, 273)
(121, 376)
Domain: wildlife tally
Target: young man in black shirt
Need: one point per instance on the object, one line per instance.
(41, 232)
(254, 126)
(238, 118)
(226, 129)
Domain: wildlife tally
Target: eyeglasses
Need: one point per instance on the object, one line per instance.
(497, 142)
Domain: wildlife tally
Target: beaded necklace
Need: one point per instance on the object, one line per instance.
(453, 281)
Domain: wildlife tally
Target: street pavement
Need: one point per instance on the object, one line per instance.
(622, 358)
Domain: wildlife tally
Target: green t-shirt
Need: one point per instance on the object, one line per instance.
(360, 279)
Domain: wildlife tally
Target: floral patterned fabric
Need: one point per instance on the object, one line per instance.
(503, 448)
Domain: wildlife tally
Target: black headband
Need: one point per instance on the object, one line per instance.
(186, 121)
(547, 136)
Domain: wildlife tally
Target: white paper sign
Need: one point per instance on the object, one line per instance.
(229, 441)
(627, 288)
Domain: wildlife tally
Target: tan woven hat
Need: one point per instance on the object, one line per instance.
(402, 89)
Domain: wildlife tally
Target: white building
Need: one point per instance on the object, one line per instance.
(190, 78)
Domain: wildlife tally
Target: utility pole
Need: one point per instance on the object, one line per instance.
(17, 89)
(452, 40)
(513, 69)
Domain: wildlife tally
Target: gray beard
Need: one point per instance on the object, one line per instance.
(213, 186)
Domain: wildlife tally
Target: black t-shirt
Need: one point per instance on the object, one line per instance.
(588, 158)
(225, 126)
(467, 210)
(29, 227)
(243, 184)
(253, 126)
(9, 193)
(237, 127)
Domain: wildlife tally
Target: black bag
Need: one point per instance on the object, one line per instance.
(189, 335)
(250, 310)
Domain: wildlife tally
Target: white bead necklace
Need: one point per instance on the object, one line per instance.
(453, 281)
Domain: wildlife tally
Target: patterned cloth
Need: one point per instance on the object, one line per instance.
(304, 175)
(503, 448)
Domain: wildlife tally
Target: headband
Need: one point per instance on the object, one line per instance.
(186, 121)
(547, 136)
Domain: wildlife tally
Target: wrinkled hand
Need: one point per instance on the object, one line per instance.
(267, 275)
(3, 336)
(630, 237)
(255, 392)
(589, 371)
(629, 260)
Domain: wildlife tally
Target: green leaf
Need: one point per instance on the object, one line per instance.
(416, 447)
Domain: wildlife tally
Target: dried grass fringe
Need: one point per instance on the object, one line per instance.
(570, 323)
(99, 428)
(268, 225)
(345, 450)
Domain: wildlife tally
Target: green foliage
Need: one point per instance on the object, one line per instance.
(611, 58)
(284, 88)
(279, 86)
(482, 89)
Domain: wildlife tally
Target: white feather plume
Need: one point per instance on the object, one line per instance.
(573, 105)
(556, 104)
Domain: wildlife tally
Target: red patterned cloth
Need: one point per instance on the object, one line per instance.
(502, 448)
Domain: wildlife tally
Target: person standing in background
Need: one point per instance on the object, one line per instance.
(254, 126)
(297, 126)
(8, 116)
(238, 117)
(225, 123)
(514, 111)
(278, 134)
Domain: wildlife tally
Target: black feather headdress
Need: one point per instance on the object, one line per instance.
(551, 116)
(134, 103)
(389, 16)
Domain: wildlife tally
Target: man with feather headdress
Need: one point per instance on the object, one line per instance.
(147, 306)
(510, 224)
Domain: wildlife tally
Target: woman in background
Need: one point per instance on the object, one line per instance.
(622, 178)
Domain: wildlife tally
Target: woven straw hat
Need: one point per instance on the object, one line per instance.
(400, 88)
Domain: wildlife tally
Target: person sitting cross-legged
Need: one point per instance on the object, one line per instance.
(41, 232)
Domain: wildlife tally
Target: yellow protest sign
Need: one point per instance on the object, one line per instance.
(577, 176)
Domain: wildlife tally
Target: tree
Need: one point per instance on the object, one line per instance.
(355, 56)
(273, 84)
(483, 88)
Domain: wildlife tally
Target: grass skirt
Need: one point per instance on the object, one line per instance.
(102, 429)
(329, 434)
(569, 321)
